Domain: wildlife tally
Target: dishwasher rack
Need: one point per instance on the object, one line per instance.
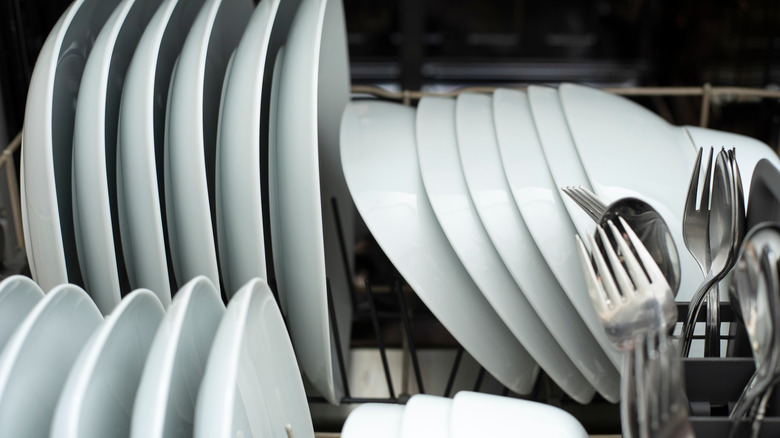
(387, 308)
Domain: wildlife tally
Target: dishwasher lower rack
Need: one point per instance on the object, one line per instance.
(400, 349)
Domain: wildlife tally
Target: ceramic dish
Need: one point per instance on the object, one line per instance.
(97, 398)
(749, 151)
(313, 90)
(140, 144)
(252, 385)
(475, 414)
(165, 402)
(242, 134)
(481, 163)
(627, 150)
(191, 135)
(426, 416)
(47, 142)
(374, 420)
(38, 357)
(380, 163)
(18, 296)
(94, 151)
(541, 206)
(445, 186)
(763, 200)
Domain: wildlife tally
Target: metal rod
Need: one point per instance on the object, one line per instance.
(480, 377)
(409, 337)
(379, 341)
(339, 354)
(453, 372)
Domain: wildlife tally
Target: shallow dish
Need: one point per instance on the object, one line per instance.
(481, 163)
(140, 144)
(165, 402)
(541, 206)
(47, 143)
(94, 151)
(445, 186)
(18, 296)
(252, 385)
(36, 360)
(191, 136)
(380, 163)
(629, 151)
(97, 398)
(374, 420)
(313, 91)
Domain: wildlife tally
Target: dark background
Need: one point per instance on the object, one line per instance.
(434, 44)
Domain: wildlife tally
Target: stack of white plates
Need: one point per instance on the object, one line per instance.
(464, 196)
(204, 138)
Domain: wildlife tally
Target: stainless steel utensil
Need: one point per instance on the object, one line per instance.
(646, 222)
(710, 233)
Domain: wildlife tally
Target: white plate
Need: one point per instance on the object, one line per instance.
(627, 150)
(97, 398)
(165, 402)
(18, 296)
(38, 357)
(380, 163)
(313, 91)
(242, 134)
(445, 185)
(252, 385)
(475, 414)
(540, 204)
(94, 151)
(749, 151)
(47, 142)
(191, 135)
(374, 420)
(487, 184)
(426, 416)
(139, 155)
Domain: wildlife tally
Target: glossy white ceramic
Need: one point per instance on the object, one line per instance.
(97, 398)
(487, 183)
(94, 151)
(242, 134)
(18, 296)
(313, 90)
(191, 136)
(426, 416)
(374, 420)
(38, 357)
(380, 163)
(476, 414)
(445, 186)
(560, 152)
(749, 151)
(540, 204)
(140, 144)
(165, 402)
(627, 150)
(47, 142)
(252, 385)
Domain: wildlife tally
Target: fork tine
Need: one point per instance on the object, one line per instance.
(635, 270)
(705, 192)
(601, 265)
(592, 199)
(654, 273)
(596, 291)
(582, 203)
(693, 188)
(621, 276)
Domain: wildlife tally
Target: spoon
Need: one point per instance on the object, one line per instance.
(646, 222)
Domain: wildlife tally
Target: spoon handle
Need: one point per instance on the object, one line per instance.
(686, 335)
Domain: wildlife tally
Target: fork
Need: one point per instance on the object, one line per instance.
(663, 411)
(587, 201)
(629, 300)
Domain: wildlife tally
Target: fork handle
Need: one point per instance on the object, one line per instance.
(686, 335)
(712, 333)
